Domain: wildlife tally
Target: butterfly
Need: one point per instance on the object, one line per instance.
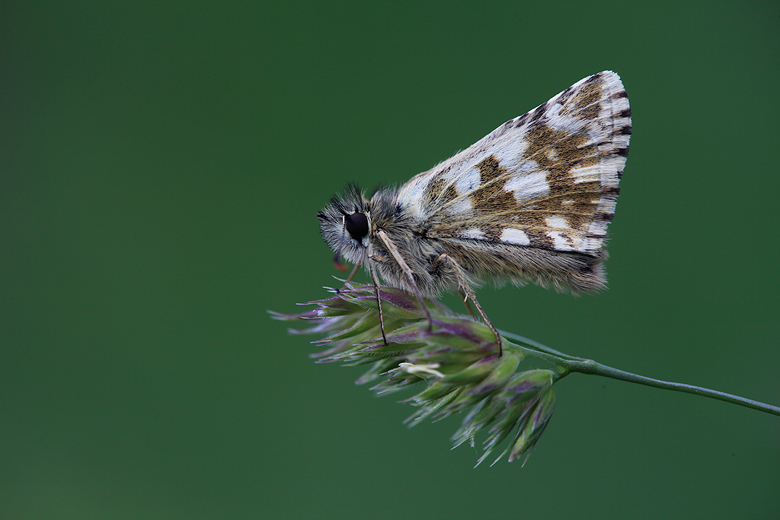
(529, 202)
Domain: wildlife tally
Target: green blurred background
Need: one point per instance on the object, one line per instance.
(162, 165)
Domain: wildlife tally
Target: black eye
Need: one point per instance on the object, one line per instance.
(357, 225)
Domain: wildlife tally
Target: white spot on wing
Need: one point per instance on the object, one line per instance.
(515, 236)
(509, 152)
(472, 233)
(468, 182)
(528, 187)
(560, 241)
(460, 206)
(556, 222)
(591, 173)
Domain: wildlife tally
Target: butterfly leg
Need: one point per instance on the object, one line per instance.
(408, 271)
(467, 303)
(464, 287)
(349, 278)
(378, 298)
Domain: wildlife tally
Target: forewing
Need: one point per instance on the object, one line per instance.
(547, 179)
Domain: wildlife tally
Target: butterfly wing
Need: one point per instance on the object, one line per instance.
(547, 179)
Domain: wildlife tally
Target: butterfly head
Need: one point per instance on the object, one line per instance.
(345, 224)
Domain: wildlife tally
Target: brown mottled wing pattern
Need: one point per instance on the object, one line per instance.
(547, 179)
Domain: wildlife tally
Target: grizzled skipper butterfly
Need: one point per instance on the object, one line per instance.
(530, 202)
